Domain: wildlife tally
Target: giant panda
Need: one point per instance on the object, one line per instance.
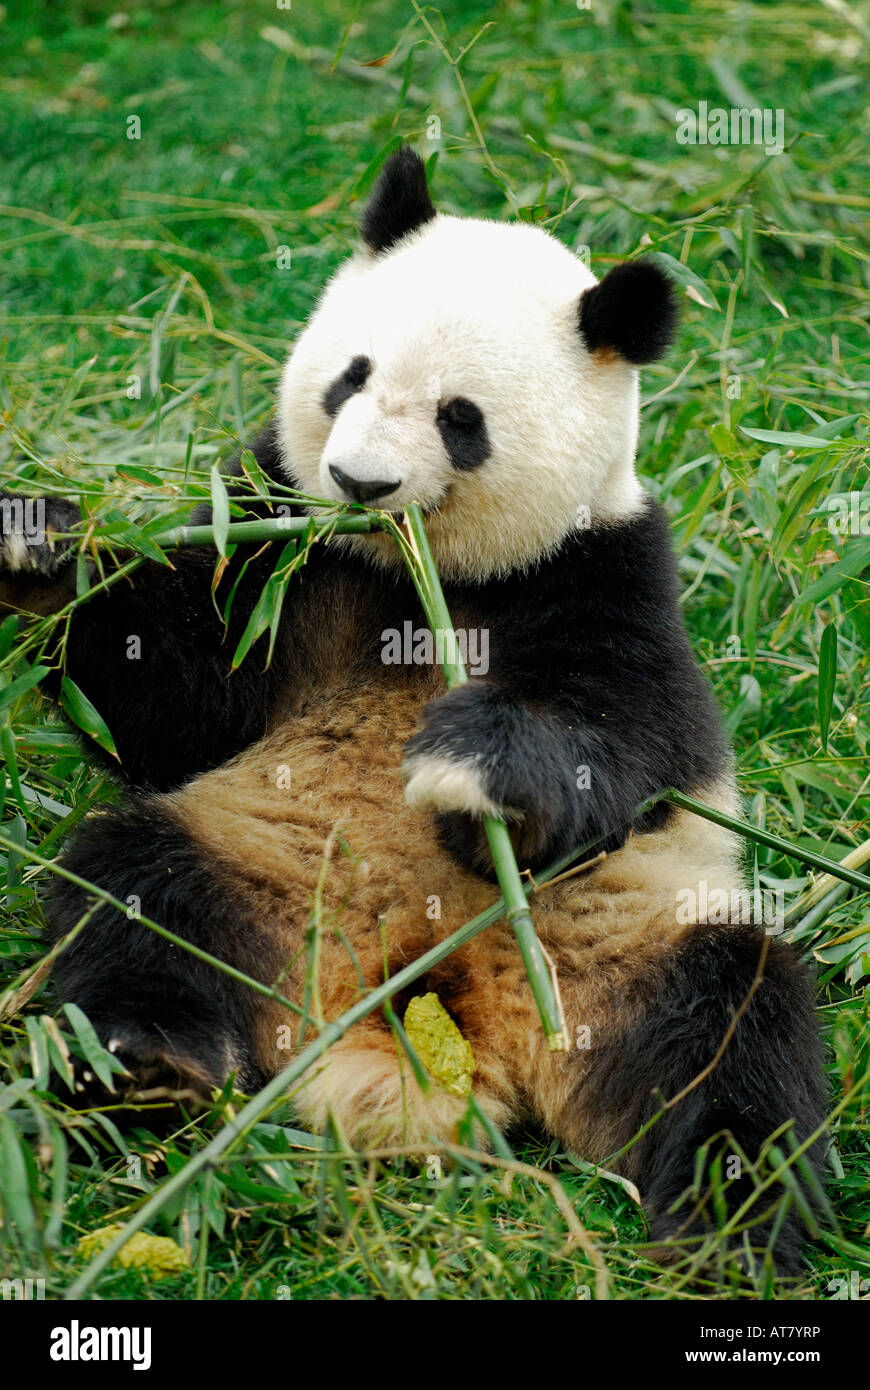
(479, 368)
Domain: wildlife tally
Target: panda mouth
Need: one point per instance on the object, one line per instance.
(429, 509)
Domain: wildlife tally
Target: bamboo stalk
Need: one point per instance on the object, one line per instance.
(428, 585)
(279, 528)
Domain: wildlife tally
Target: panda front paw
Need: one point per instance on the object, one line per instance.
(470, 757)
(481, 752)
(452, 763)
(30, 534)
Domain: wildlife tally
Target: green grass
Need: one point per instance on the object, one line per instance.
(151, 266)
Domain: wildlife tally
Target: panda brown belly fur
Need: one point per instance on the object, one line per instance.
(606, 930)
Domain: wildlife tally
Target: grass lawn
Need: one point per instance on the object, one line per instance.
(176, 182)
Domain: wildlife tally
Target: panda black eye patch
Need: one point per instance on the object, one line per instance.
(463, 429)
(352, 379)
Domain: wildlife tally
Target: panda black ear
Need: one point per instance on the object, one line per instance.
(399, 203)
(633, 311)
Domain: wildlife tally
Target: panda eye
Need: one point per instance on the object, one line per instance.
(463, 431)
(352, 379)
(460, 414)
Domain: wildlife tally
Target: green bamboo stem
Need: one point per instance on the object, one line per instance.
(281, 528)
(278, 1087)
(545, 992)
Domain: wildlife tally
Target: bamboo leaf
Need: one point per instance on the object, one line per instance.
(83, 576)
(119, 527)
(95, 1054)
(15, 1184)
(8, 633)
(267, 610)
(286, 566)
(855, 602)
(69, 392)
(827, 679)
(793, 517)
(220, 516)
(38, 1050)
(253, 472)
(770, 294)
(85, 716)
(59, 1173)
(605, 1174)
(791, 439)
(10, 758)
(750, 612)
(159, 524)
(58, 1051)
(131, 473)
(694, 286)
(31, 677)
(237, 393)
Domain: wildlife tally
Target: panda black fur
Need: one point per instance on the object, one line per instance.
(480, 369)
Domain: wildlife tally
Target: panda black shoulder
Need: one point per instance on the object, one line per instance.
(603, 577)
(616, 588)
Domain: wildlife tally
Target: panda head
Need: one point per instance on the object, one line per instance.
(479, 369)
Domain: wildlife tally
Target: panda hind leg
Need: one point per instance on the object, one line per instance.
(717, 982)
(173, 1020)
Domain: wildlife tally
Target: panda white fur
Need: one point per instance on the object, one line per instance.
(480, 369)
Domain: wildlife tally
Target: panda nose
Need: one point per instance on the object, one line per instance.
(362, 489)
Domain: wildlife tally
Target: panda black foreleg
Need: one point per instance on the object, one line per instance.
(170, 1017)
(768, 1077)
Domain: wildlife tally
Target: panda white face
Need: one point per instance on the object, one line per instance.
(448, 367)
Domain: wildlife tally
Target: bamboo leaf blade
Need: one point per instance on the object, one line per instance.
(827, 680)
